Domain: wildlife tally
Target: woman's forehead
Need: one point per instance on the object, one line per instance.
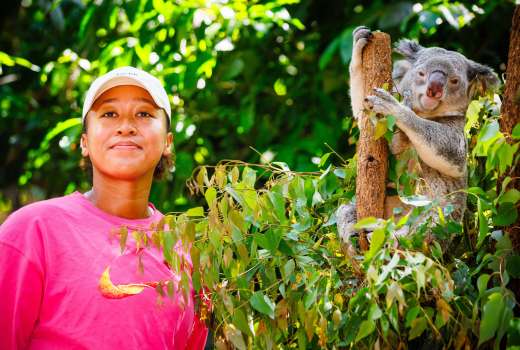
(125, 93)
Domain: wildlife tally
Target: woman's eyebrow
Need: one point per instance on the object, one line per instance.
(147, 100)
(140, 99)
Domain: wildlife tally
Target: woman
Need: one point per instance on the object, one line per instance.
(65, 283)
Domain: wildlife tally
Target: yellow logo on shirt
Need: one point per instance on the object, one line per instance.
(113, 291)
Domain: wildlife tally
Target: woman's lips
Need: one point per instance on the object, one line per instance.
(125, 145)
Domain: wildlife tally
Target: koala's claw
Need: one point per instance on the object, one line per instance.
(361, 33)
(385, 95)
(368, 102)
(381, 102)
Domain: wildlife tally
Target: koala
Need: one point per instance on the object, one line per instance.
(437, 86)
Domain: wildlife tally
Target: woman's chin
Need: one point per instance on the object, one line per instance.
(127, 172)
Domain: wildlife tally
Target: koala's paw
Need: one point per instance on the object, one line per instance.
(361, 36)
(382, 102)
(345, 220)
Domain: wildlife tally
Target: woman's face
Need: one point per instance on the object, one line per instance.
(126, 134)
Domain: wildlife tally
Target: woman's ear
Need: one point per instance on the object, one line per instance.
(83, 145)
(168, 145)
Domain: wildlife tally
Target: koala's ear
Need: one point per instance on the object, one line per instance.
(408, 48)
(481, 79)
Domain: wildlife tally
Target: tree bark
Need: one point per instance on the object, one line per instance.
(511, 110)
(372, 157)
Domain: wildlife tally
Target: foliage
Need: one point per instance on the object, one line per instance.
(267, 254)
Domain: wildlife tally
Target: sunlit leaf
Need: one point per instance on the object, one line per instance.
(263, 304)
(197, 211)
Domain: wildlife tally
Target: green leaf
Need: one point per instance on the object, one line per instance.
(472, 114)
(210, 195)
(345, 45)
(240, 321)
(482, 224)
(278, 203)
(85, 21)
(516, 132)
(511, 196)
(394, 317)
(123, 232)
(366, 223)
(411, 315)
(328, 53)
(489, 131)
(390, 122)
(310, 298)
(262, 304)
(197, 211)
(482, 283)
(417, 327)
(288, 270)
(168, 243)
(269, 240)
(375, 312)
(513, 265)
(380, 129)
(324, 158)
(377, 241)
(506, 215)
(491, 315)
(366, 328)
(249, 177)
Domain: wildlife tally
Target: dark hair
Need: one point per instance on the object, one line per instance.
(161, 169)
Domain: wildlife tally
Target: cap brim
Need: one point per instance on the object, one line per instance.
(113, 82)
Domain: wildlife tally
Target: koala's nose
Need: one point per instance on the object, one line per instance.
(436, 82)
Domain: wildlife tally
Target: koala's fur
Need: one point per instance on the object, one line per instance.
(437, 86)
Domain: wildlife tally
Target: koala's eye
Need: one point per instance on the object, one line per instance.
(454, 81)
(421, 74)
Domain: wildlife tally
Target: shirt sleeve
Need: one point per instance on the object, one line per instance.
(21, 283)
(197, 339)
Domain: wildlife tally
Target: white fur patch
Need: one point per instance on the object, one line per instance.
(428, 155)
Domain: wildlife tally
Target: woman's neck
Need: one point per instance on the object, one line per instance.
(126, 199)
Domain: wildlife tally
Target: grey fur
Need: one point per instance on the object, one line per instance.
(437, 86)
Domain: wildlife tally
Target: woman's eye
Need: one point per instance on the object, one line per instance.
(454, 81)
(421, 74)
(109, 114)
(144, 115)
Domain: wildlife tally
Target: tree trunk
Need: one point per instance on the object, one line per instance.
(372, 161)
(511, 110)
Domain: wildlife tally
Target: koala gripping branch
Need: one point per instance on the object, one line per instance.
(372, 156)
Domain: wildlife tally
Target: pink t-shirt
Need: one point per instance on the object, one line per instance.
(52, 256)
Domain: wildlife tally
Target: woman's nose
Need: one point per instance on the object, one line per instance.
(126, 127)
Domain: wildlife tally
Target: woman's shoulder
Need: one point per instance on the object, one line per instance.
(36, 211)
(26, 228)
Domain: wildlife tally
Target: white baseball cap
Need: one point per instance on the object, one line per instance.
(127, 76)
